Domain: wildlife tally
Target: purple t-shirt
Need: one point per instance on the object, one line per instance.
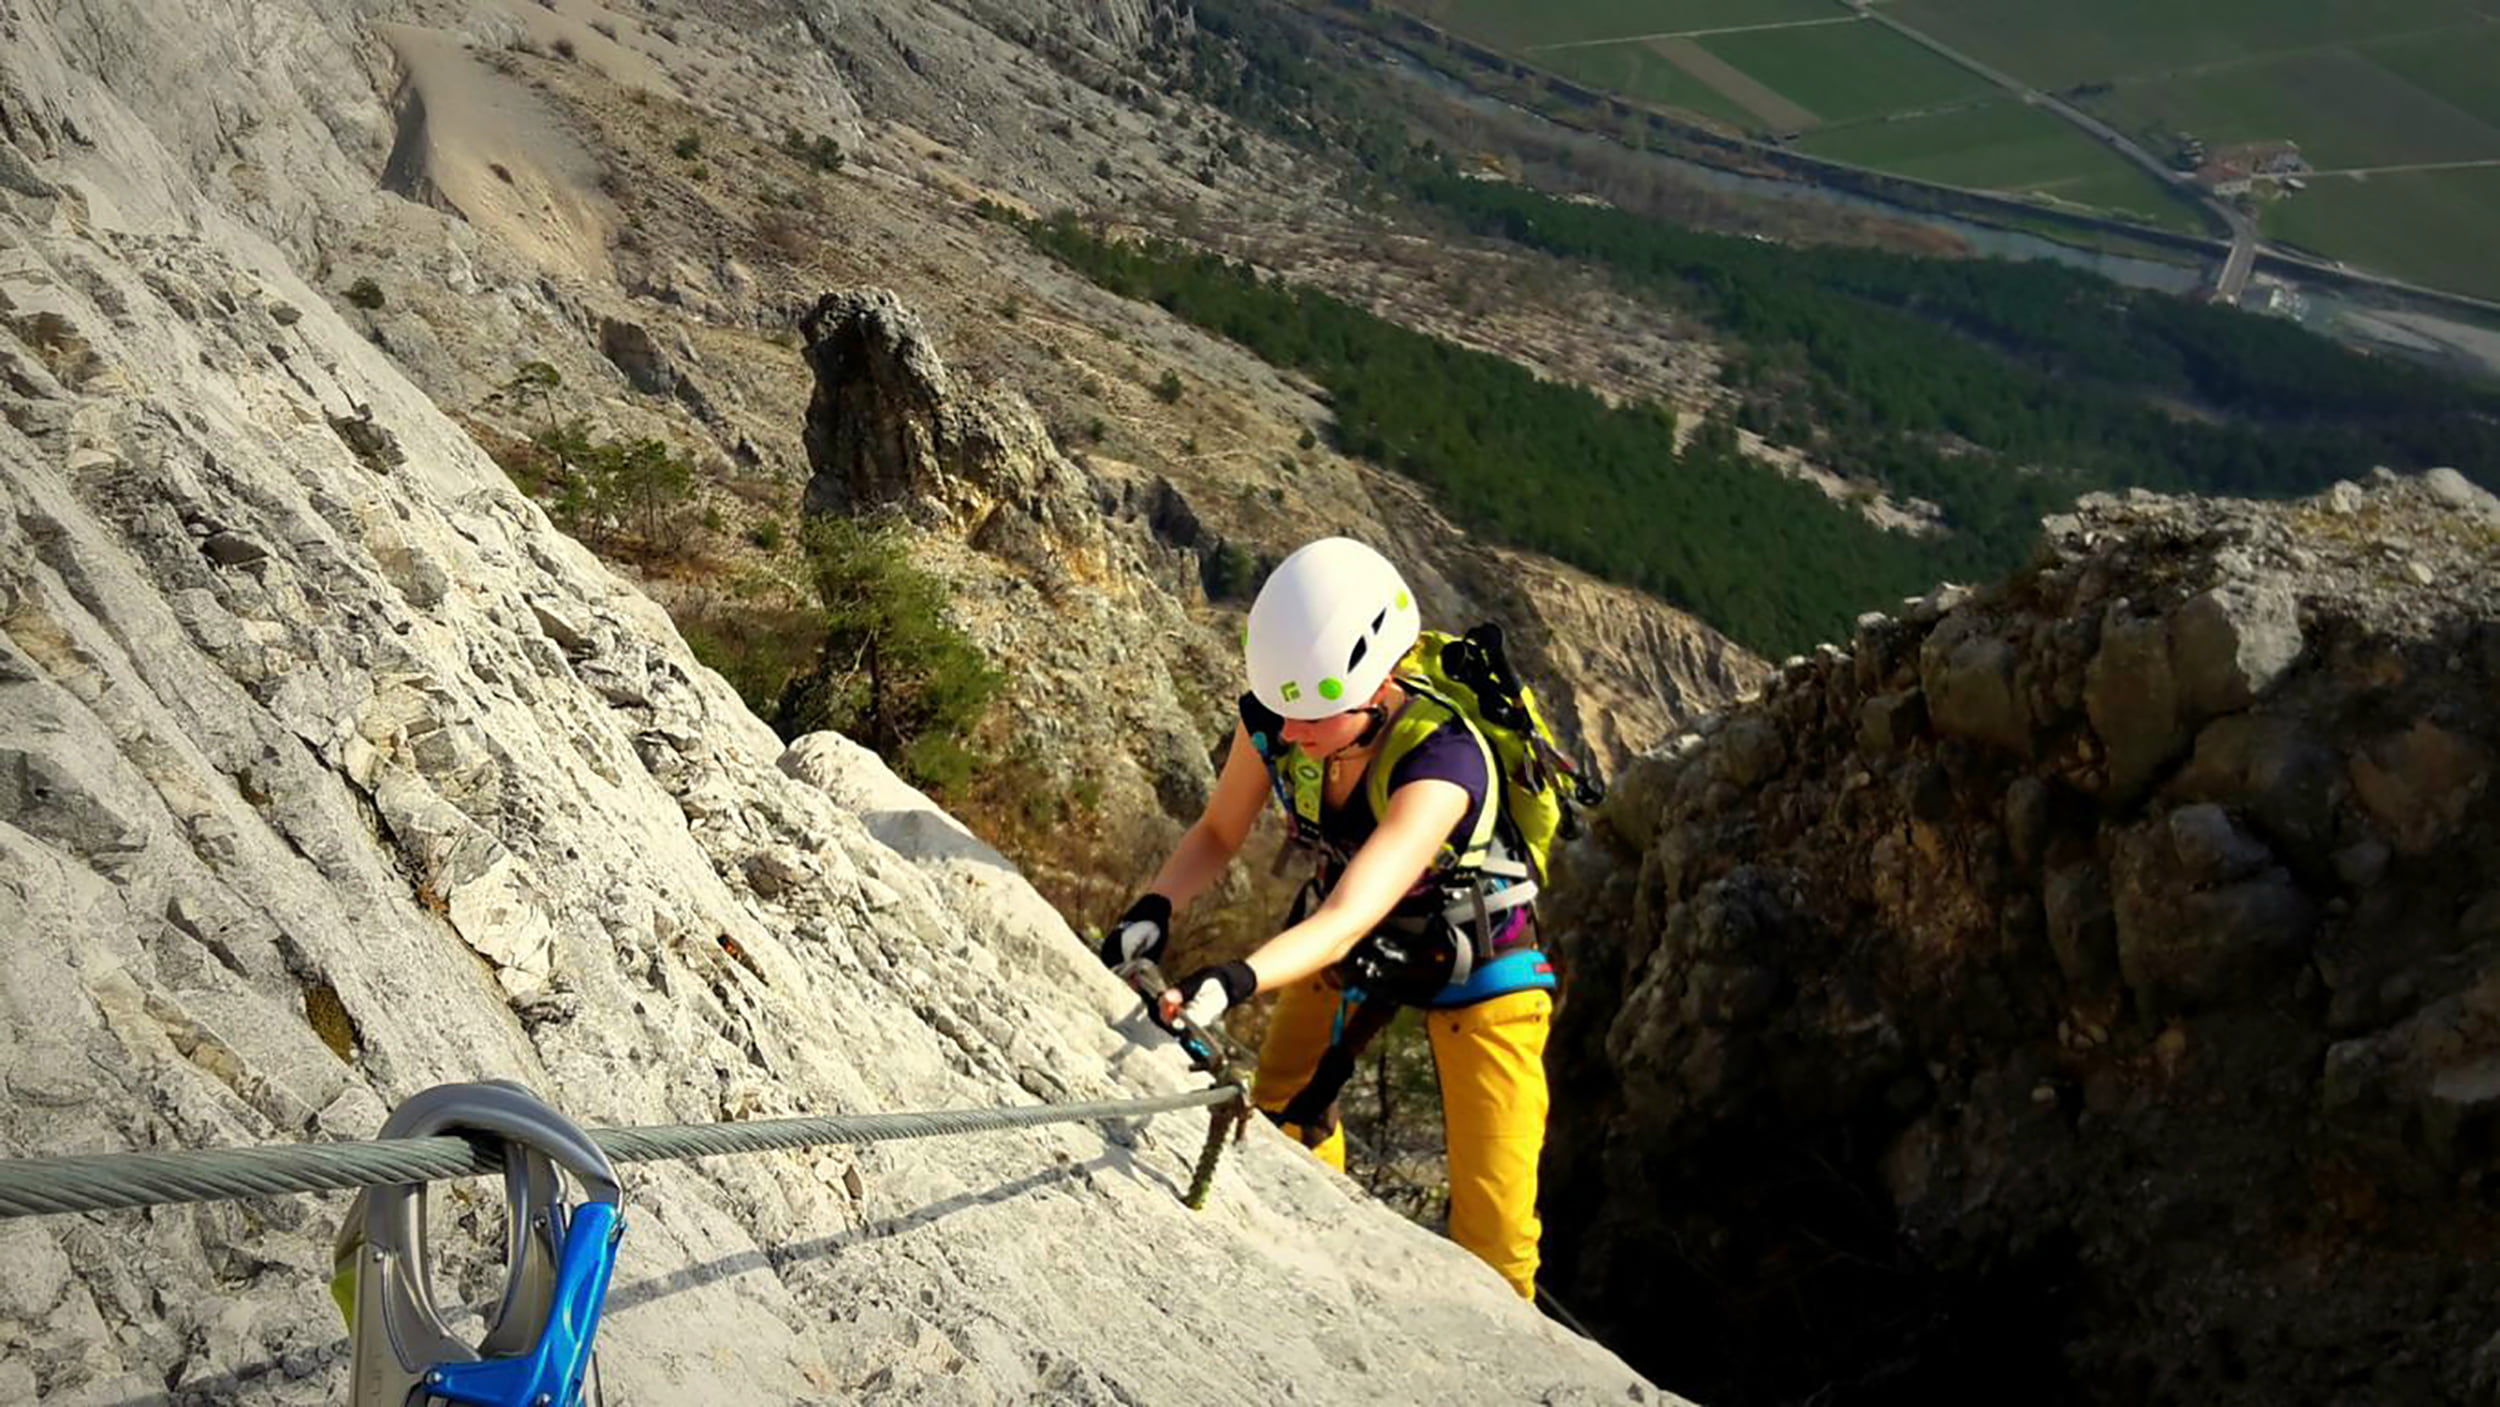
(1447, 754)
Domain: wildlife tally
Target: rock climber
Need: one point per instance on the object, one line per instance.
(1417, 898)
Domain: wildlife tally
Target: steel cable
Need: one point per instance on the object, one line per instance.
(105, 1181)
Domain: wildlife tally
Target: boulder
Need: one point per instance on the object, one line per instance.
(2134, 703)
(2278, 774)
(1891, 722)
(1967, 675)
(2457, 492)
(2231, 644)
(2419, 784)
(2181, 947)
(2211, 847)
(2082, 925)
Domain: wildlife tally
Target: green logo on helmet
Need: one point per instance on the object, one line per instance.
(1291, 691)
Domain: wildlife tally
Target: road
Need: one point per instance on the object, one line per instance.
(2231, 278)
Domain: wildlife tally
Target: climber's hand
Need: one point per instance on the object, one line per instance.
(1139, 933)
(1204, 996)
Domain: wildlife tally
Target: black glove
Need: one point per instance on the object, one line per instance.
(1139, 933)
(1210, 992)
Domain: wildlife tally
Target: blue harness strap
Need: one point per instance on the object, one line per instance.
(1520, 970)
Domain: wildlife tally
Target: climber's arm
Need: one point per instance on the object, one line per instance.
(1421, 816)
(1221, 829)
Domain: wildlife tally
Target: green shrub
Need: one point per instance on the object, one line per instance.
(893, 672)
(689, 146)
(1168, 389)
(821, 152)
(756, 648)
(766, 534)
(366, 294)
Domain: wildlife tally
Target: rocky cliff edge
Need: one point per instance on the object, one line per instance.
(2084, 989)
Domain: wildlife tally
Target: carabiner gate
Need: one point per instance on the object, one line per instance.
(557, 1262)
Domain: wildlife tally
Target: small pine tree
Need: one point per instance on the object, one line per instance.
(539, 381)
(894, 673)
(645, 483)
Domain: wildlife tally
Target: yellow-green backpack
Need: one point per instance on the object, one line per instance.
(1470, 675)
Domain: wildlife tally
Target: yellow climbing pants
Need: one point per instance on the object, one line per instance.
(1491, 1059)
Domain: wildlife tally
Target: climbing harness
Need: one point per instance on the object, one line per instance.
(558, 1258)
(1214, 1053)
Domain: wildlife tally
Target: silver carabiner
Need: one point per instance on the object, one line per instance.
(382, 1276)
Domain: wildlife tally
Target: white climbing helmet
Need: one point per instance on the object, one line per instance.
(1330, 623)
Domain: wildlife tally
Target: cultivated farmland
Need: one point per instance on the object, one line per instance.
(2362, 130)
(2393, 105)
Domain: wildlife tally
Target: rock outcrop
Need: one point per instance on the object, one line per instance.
(2083, 989)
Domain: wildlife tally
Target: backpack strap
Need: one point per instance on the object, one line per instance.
(1425, 714)
(1297, 778)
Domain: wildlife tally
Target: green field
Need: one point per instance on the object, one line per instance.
(1846, 72)
(2462, 70)
(2003, 145)
(2430, 227)
(1637, 71)
(1525, 24)
(2357, 84)
(2058, 44)
(2343, 109)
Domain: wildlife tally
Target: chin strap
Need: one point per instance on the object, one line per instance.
(1371, 731)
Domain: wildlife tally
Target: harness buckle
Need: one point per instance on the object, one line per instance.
(558, 1259)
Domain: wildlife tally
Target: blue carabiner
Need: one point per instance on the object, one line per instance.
(553, 1369)
(537, 1350)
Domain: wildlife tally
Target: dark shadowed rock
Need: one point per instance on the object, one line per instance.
(2211, 847)
(1890, 722)
(2133, 701)
(2082, 927)
(2275, 771)
(1968, 675)
(2180, 946)
(2165, 962)
(2419, 784)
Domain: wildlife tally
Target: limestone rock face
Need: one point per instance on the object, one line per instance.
(330, 771)
(2038, 1000)
(889, 428)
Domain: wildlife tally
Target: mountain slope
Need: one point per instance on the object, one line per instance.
(329, 770)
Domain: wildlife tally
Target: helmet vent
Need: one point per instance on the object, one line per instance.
(1376, 620)
(1355, 656)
